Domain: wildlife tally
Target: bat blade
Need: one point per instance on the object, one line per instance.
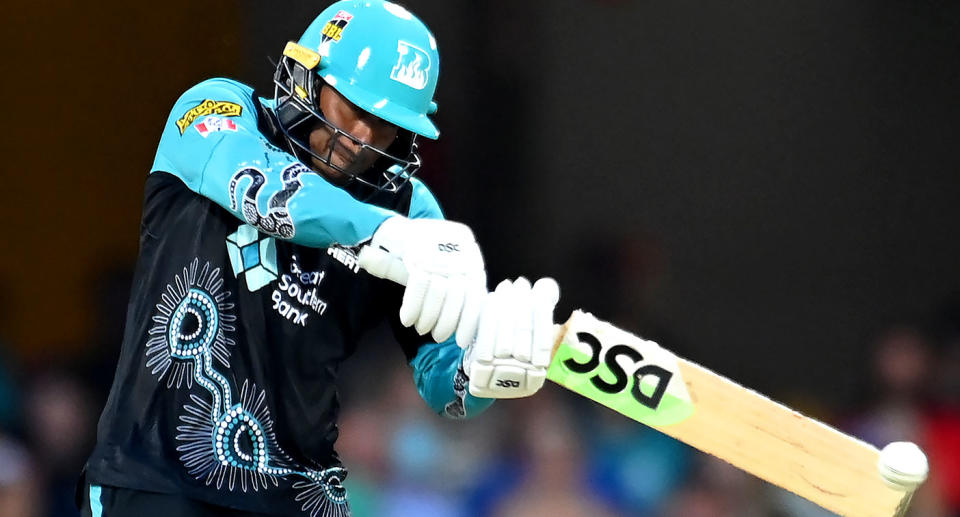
(645, 382)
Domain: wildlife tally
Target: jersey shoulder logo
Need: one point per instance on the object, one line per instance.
(208, 107)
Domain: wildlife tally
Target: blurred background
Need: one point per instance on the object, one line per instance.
(769, 188)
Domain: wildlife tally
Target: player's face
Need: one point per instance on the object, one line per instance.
(347, 154)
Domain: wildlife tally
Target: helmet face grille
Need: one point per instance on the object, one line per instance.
(296, 95)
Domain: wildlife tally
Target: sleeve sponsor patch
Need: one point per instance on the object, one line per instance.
(208, 107)
(213, 124)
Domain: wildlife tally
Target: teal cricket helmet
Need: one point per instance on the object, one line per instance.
(380, 57)
(377, 55)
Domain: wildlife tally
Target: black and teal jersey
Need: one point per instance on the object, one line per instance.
(246, 298)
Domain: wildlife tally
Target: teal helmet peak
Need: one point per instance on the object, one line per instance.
(378, 56)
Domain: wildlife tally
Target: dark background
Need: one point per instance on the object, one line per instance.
(763, 186)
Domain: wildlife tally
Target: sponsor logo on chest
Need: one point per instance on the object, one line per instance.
(296, 293)
(295, 296)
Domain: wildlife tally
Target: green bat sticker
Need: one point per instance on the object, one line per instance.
(652, 393)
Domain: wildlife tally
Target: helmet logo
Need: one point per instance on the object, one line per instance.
(333, 30)
(413, 66)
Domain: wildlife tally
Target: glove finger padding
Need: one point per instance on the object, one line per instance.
(417, 284)
(546, 294)
(450, 311)
(382, 264)
(523, 311)
(469, 322)
(482, 348)
(505, 299)
(433, 301)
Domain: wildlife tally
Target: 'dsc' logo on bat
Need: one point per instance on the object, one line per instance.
(609, 358)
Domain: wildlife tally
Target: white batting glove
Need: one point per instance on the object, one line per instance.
(515, 340)
(441, 265)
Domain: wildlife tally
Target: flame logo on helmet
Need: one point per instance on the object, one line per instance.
(413, 66)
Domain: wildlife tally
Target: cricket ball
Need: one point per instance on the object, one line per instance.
(903, 466)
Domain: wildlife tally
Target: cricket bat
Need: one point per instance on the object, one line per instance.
(651, 385)
(684, 400)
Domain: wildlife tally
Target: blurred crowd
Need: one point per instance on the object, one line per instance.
(555, 454)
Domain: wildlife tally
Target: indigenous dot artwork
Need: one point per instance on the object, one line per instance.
(226, 436)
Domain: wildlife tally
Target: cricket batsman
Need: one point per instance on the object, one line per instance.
(275, 232)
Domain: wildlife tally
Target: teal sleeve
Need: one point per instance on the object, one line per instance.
(439, 376)
(423, 204)
(211, 141)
